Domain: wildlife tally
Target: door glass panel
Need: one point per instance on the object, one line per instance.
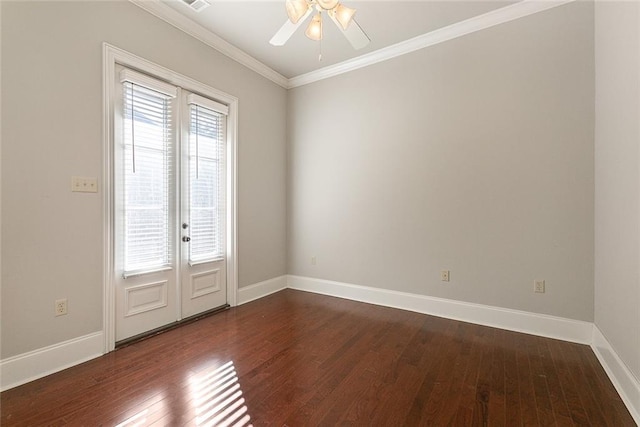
(146, 178)
(206, 156)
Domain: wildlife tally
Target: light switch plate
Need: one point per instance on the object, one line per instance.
(82, 184)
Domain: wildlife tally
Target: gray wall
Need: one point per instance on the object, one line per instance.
(617, 160)
(475, 155)
(52, 244)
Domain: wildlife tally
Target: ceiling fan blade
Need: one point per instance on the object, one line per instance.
(287, 30)
(354, 33)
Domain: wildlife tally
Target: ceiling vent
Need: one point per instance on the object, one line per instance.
(197, 5)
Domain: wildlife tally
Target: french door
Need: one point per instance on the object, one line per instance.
(169, 198)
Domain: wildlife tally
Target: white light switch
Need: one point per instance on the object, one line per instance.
(84, 184)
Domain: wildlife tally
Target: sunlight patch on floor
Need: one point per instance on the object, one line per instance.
(218, 400)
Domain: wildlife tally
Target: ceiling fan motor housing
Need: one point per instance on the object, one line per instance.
(327, 4)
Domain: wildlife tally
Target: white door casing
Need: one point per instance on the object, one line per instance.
(204, 284)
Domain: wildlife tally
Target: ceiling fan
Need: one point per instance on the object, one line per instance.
(299, 10)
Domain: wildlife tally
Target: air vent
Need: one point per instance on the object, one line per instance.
(196, 5)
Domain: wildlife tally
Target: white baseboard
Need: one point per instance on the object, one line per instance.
(21, 369)
(513, 320)
(623, 380)
(261, 289)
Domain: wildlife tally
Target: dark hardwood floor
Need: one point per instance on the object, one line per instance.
(300, 359)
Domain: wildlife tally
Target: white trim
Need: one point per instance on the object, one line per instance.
(197, 293)
(1, 258)
(487, 20)
(167, 14)
(623, 380)
(112, 56)
(127, 59)
(195, 99)
(497, 317)
(21, 369)
(477, 23)
(206, 261)
(108, 299)
(135, 273)
(261, 289)
(159, 303)
(143, 80)
(232, 205)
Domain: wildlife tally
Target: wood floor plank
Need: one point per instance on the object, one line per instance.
(298, 359)
(528, 406)
(344, 359)
(540, 387)
(442, 409)
(511, 385)
(559, 406)
(397, 403)
(568, 385)
(466, 406)
(497, 402)
(483, 387)
(590, 404)
(393, 368)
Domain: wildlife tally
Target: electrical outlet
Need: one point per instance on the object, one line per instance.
(444, 275)
(313, 260)
(538, 286)
(61, 307)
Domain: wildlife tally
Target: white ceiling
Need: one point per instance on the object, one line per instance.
(249, 25)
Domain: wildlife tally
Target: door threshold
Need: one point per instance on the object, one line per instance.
(157, 331)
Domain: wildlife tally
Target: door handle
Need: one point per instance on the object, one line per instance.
(186, 239)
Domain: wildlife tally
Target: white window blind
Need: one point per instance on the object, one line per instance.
(206, 192)
(147, 173)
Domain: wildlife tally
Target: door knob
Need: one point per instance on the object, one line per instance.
(185, 225)
(186, 239)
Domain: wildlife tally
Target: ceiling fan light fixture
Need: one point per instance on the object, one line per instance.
(327, 4)
(314, 30)
(296, 9)
(299, 10)
(344, 15)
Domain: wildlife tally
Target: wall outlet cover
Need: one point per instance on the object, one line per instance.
(60, 307)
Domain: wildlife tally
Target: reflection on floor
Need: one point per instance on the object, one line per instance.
(301, 359)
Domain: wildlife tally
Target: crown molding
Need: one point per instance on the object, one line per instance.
(458, 29)
(477, 23)
(167, 14)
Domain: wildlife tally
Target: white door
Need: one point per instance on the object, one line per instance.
(203, 206)
(169, 204)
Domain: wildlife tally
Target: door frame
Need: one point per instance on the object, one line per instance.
(112, 56)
